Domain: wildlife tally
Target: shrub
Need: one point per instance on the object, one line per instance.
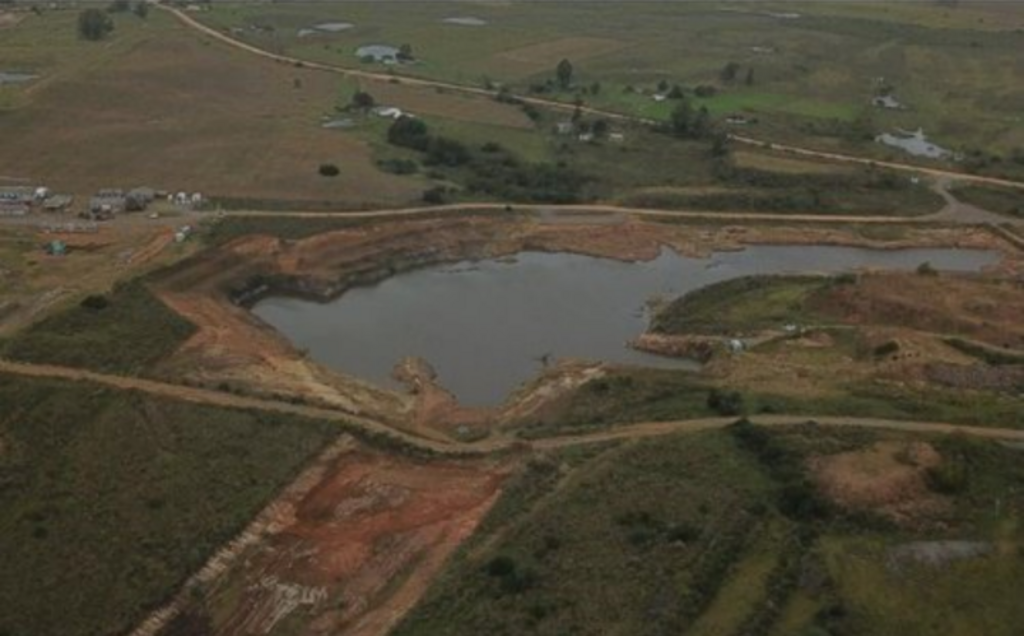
(409, 132)
(94, 24)
(887, 349)
(398, 166)
(436, 195)
(95, 302)
(329, 170)
(726, 403)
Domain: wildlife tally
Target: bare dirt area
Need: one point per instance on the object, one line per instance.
(178, 114)
(889, 478)
(33, 282)
(351, 551)
(8, 20)
(233, 349)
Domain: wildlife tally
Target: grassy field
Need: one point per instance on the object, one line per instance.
(157, 106)
(955, 69)
(996, 200)
(124, 332)
(247, 132)
(746, 304)
(728, 533)
(109, 500)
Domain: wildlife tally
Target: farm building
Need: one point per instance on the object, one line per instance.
(390, 112)
(57, 202)
(106, 203)
(23, 195)
(56, 248)
(138, 199)
(13, 209)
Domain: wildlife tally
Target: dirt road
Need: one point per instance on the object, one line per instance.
(944, 216)
(549, 103)
(490, 445)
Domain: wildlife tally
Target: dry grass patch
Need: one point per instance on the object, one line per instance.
(179, 113)
(545, 55)
(457, 107)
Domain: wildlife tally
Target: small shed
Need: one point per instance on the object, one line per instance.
(564, 127)
(56, 247)
(57, 202)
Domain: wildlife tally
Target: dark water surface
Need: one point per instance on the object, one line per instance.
(485, 326)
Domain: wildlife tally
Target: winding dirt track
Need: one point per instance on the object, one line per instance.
(549, 103)
(594, 208)
(490, 445)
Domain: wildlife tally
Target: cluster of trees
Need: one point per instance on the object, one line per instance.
(689, 123)
(731, 71)
(798, 497)
(490, 169)
(94, 24)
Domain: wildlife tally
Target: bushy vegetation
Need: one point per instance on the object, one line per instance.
(998, 200)
(986, 353)
(125, 331)
(110, 500)
(628, 396)
(694, 528)
(665, 520)
(94, 24)
(490, 170)
(742, 305)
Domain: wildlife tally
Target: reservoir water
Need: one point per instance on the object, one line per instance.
(487, 326)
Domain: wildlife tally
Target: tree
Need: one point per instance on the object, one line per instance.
(405, 53)
(676, 92)
(564, 73)
(118, 6)
(363, 100)
(720, 146)
(94, 24)
(328, 170)
(595, 88)
(749, 81)
(700, 126)
(600, 128)
(142, 9)
(729, 72)
(409, 132)
(663, 86)
(681, 119)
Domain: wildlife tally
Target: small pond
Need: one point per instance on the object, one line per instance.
(378, 52)
(915, 143)
(15, 77)
(465, 21)
(486, 326)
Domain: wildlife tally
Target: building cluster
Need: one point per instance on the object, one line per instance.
(105, 204)
(21, 200)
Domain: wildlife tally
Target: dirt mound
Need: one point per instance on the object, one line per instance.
(889, 478)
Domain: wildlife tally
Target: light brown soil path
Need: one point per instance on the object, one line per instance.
(548, 103)
(601, 209)
(494, 444)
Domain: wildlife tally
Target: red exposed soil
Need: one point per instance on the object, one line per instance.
(357, 551)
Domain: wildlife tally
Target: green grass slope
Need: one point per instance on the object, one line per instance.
(110, 500)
